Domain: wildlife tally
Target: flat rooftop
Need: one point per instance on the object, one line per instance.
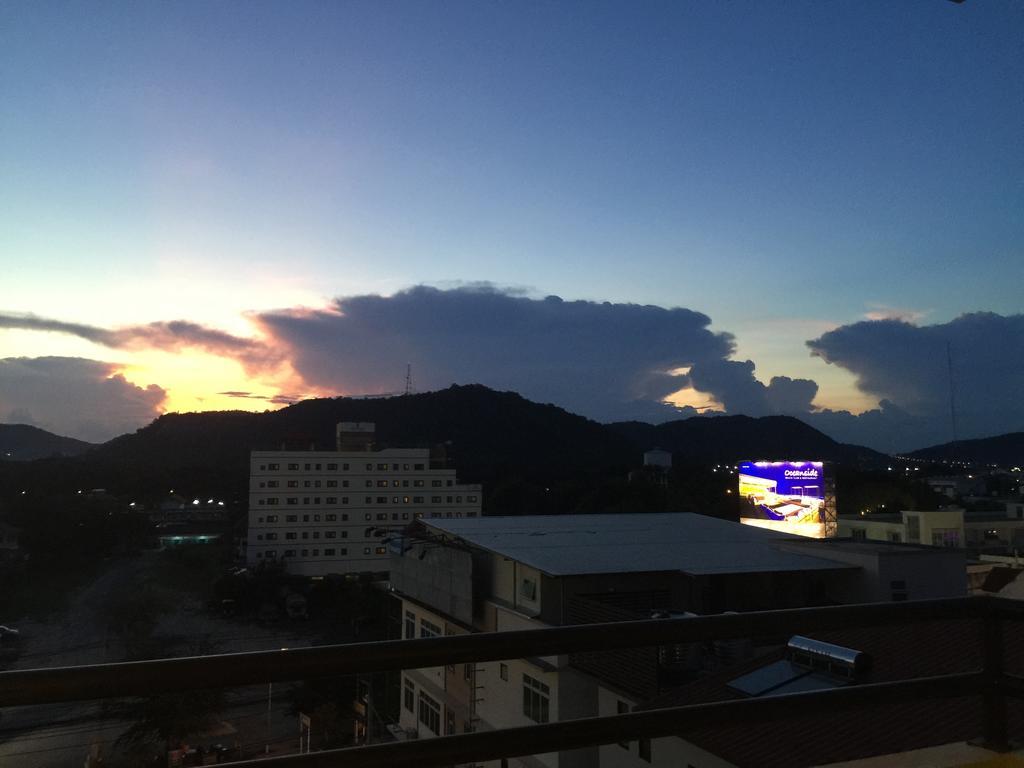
(575, 545)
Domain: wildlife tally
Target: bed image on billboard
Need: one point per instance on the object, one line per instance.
(783, 491)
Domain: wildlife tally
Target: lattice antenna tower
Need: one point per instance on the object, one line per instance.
(408, 378)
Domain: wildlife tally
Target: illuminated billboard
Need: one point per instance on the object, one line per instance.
(783, 495)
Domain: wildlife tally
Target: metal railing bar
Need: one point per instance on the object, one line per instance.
(41, 686)
(576, 734)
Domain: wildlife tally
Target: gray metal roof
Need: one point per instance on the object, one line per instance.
(565, 545)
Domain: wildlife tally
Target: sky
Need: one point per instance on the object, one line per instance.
(805, 208)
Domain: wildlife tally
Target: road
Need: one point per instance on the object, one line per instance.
(59, 735)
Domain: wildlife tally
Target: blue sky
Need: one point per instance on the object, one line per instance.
(784, 168)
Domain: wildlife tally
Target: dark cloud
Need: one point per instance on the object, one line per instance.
(907, 367)
(603, 360)
(599, 359)
(174, 335)
(74, 396)
(733, 384)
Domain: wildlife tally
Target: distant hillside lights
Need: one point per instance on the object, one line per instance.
(339, 506)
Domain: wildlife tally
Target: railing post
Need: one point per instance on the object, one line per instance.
(996, 737)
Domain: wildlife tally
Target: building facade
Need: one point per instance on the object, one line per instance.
(950, 527)
(504, 574)
(328, 512)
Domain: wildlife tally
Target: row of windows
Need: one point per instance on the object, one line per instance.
(293, 535)
(347, 484)
(369, 533)
(293, 501)
(271, 554)
(333, 467)
(381, 517)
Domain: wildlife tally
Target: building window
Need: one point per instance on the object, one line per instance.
(645, 749)
(528, 589)
(272, 466)
(471, 499)
(271, 537)
(382, 550)
(430, 713)
(330, 534)
(409, 695)
(535, 699)
(290, 535)
(332, 466)
(293, 467)
(417, 467)
(449, 721)
(622, 708)
(429, 629)
(366, 550)
(293, 500)
(330, 518)
(291, 518)
(328, 553)
(410, 625)
(271, 518)
(467, 671)
(945, 537)
(894, 537)
(503, 672)
(858, 534)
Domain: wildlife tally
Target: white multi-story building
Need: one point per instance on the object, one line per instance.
(328, 512)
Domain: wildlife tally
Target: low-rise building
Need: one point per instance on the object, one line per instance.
(950, 527)
(509, 573)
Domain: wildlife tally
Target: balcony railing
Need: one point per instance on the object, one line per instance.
(990, 682)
